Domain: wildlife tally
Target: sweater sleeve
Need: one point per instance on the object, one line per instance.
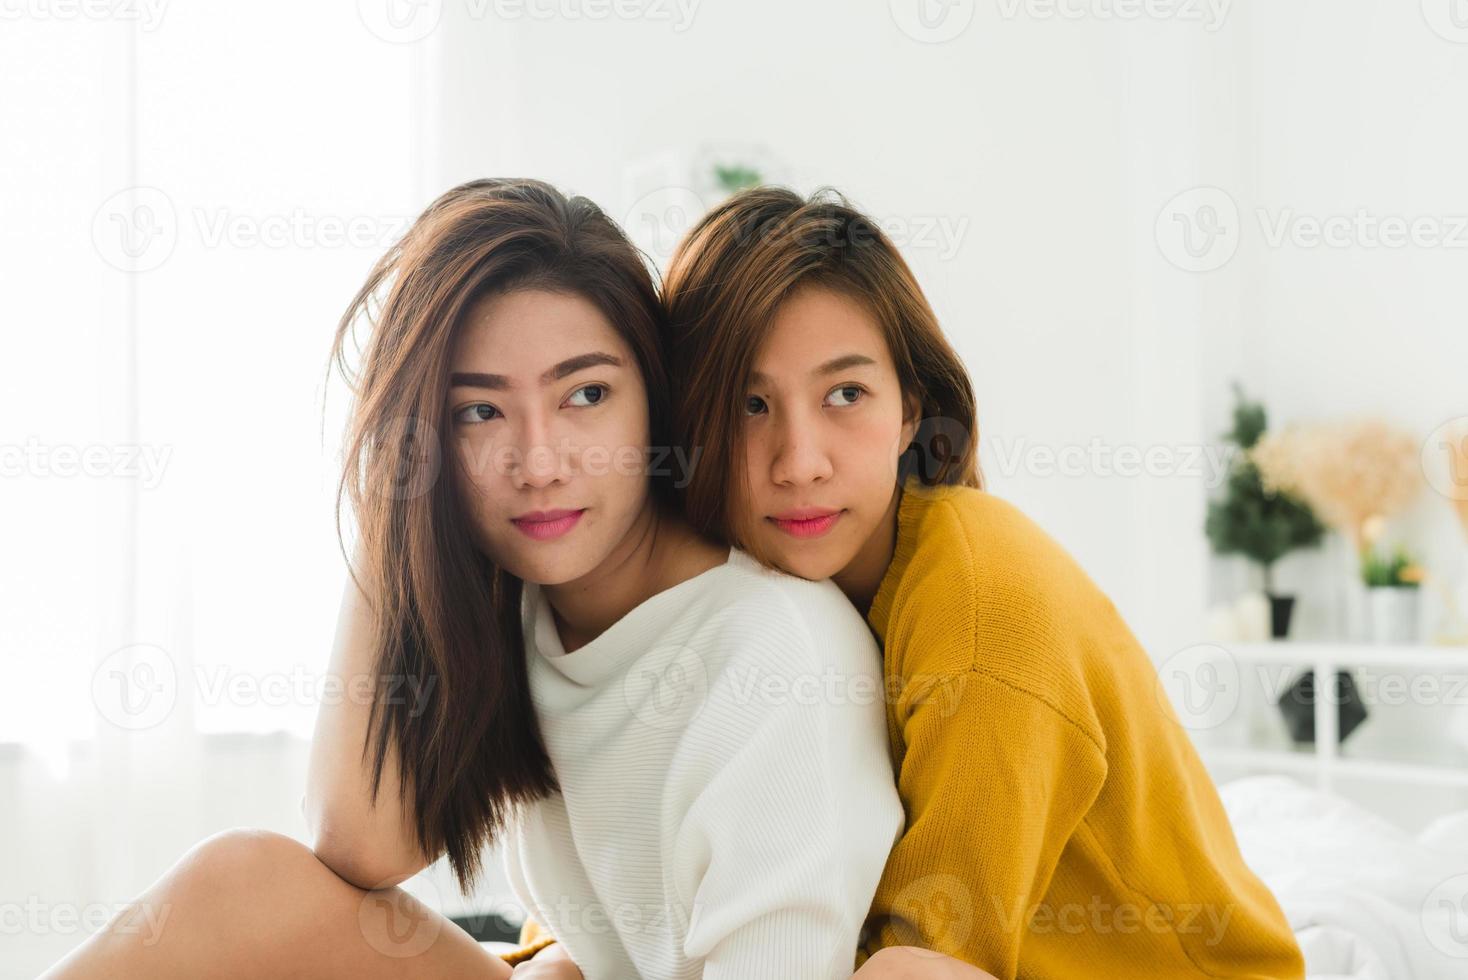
(784, 844)
(969, 869)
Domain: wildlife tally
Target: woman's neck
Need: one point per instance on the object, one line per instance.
(659, 551)
(862, 576)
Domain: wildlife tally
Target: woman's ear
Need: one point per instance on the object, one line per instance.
(912, 418)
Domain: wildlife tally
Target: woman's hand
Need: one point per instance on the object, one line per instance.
(916, 963)
(550, 963)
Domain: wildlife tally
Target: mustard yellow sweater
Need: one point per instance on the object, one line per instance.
(1059, 822)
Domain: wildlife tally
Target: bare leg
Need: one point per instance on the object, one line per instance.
(251, 903)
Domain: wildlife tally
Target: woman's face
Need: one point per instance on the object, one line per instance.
(548, 413)
(824, 427)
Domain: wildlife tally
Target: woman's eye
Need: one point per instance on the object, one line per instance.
(481, 412)
(753, 405)
(852, 393)
(589, 395)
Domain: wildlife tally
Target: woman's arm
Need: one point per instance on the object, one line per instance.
(371, 847)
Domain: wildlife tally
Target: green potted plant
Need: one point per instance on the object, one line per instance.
(1261, 524)
(1356, 474)
(1392, 586)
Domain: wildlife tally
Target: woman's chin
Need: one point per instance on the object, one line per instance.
(809, 561)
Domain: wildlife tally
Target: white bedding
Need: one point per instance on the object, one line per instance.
(1367, 900)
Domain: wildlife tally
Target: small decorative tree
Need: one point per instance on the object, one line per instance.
(1253, 521)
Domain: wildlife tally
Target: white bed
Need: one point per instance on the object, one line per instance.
(1367, 900)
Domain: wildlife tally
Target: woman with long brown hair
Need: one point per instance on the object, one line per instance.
(538, 651)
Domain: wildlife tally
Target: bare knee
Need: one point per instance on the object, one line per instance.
(237, 874)
(220, 898)
(243, 851)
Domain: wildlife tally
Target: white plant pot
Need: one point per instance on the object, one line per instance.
(1391, 614)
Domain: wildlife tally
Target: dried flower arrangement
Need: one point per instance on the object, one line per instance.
(1457, 450)
(1354, 474)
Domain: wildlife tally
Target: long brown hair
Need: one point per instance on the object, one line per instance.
(447, 618)
(724, 284)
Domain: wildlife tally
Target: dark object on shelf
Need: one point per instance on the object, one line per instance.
(1298, 707)
(1280, 607)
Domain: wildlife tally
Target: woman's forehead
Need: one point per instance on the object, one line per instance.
(527, 331)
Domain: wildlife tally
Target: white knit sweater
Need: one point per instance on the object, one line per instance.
(727, 801)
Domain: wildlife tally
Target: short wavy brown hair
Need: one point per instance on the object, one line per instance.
(724, 284)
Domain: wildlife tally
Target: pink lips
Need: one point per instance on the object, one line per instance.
(546, 525)
(806, 522)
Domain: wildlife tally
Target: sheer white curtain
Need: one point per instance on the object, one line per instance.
(191, 194)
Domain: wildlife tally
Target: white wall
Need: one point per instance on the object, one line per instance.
(1344, 108)
(1049, 144)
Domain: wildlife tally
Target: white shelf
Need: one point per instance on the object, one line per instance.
(1309, 764)
(1349, 654)
(1324, 762)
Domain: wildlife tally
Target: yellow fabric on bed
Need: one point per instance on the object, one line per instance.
(533, 938)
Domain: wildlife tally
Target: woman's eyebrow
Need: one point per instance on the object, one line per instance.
(579, 363)
(498, 382)
(834, 366)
